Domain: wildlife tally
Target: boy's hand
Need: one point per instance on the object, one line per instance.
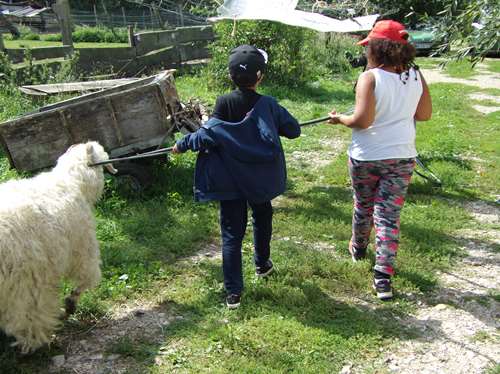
(175, 149)
(334, 117)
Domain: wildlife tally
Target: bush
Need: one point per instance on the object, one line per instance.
(33, 73)
(52, 37)
(329, 53)
(296, 55)
(100, 35)
(27, 34)
(286, 55)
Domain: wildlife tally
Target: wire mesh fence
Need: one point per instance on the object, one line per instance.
(146, 18)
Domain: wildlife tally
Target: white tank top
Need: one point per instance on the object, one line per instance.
(392, 133)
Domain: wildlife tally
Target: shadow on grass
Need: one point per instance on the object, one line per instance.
(318, 203)
(12, 362)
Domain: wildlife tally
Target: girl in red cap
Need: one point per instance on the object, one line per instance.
(390, 96)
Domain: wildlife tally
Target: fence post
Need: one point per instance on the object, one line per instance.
(124, 17)
(131, 37)
(62, 11)
(181, 15)
(159, 18)
(110, 23)
(95, 15)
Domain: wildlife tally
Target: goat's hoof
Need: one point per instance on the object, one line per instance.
(69, 306)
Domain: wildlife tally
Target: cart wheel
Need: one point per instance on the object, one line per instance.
(133, 177)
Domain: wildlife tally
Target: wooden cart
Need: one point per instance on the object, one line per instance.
(126, 120)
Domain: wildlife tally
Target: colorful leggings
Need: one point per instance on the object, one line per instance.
(379, 194)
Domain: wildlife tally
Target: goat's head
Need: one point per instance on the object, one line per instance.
(75, 163)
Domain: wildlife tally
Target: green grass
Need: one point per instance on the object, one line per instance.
(316, 313)
(493, 65)
(460, 69)
(428, 62)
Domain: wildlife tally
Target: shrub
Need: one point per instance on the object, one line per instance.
(296, 55)
(27, 34)
(329, 52)
(286, 54)
(35, 73)
(52, 37)
(100, 35)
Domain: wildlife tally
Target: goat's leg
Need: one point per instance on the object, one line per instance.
(86, 274)
(71, 301)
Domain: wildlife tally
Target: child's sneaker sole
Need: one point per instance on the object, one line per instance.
(269, 270)
(265, 274)
(233, 306)
(233, 301)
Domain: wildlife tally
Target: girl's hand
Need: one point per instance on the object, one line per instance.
(334, 117)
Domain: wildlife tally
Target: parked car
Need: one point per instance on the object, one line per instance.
(425, 41)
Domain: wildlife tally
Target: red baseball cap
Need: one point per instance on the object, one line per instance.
(387, 29)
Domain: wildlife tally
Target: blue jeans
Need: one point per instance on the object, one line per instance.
(233, 223)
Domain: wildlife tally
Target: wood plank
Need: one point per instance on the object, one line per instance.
(46, 89)
(139, 115)
(93, 120)
(119, 88)
(36, 142)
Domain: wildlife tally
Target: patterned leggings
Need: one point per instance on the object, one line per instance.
(379, 193)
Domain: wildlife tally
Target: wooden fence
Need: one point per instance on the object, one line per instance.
(163, 49)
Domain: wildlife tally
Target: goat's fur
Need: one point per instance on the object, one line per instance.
(47, 233)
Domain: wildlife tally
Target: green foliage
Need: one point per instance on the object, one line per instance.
(206, 8)
(328, 54)
(408, 12)
(297, 56)
(27, 34)
(52, 37)
(37, 73)
(456, 24)
(100, 34)
(34, 72)
(286, 56)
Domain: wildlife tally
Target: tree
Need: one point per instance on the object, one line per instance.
(471, 27)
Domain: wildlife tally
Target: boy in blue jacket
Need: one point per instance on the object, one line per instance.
(241, 162)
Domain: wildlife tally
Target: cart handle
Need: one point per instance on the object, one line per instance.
(154, 153)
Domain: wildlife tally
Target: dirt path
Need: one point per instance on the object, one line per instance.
(484, 79)
(457, 326)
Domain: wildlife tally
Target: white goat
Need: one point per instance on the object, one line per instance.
(47, 233)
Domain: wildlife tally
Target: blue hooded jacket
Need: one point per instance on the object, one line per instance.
(242, 160)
